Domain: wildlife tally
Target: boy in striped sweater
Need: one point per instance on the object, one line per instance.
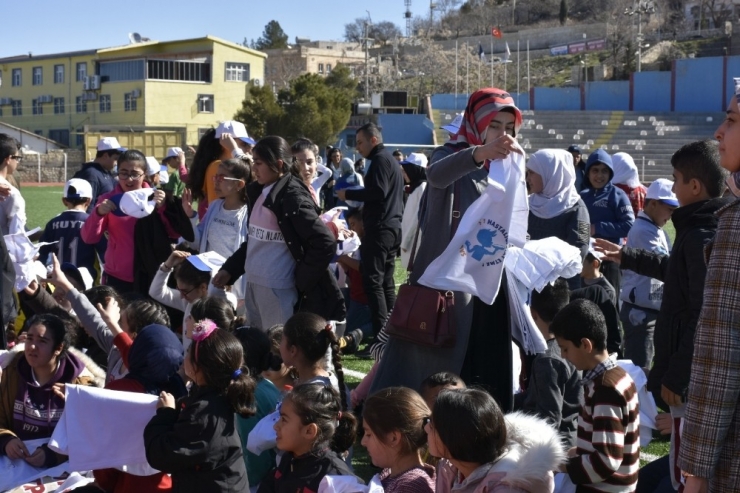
(607, 455)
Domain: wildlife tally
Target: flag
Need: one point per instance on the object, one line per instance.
(496, 32)
(507, 55)
(481, 54)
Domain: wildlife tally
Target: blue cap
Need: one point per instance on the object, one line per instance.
(574, 148)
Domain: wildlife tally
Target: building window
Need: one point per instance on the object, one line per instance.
(105, 103)
(81, 105)
(328, 68)
(61, 136)
(80, 138)
(129, 102)
(205, 103)
(17, 107)
(38, 77)
(176, 70)
(120, 71)
(16, 77)
(39, 132)
(81, 71)
(37, 109)
(321, 68)
(237, 72)
(58, 106)
(58, 74)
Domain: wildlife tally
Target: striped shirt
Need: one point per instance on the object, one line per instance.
(608, 432)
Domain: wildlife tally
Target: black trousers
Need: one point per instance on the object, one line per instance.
(123, 287)
(488, 361)
(378, 260)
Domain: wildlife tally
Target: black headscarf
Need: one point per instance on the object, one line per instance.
(417, 175)
(154, 360)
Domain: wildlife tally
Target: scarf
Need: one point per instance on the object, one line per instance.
(625, 170)
(559, 194)
(417, 175)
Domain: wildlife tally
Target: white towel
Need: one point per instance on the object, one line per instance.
(103, 428)
(14, 473)
(648, 409)
(349, 484)
(473, 261)
(541, 262)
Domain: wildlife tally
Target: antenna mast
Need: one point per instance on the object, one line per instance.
(407, 15)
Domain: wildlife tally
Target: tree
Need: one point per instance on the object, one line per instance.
(272, 37)
(563, 15)
(355, 31)
(383, 31)
(312, 106)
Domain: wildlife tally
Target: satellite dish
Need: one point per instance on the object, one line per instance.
(134, 37)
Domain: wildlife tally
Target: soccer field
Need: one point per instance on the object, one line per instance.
(42, 203)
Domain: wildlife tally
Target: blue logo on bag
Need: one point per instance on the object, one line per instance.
(487, 244)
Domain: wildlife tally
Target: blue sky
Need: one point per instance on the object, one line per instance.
(52, 26)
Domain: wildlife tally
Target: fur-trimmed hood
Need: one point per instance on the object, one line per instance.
(534, 451)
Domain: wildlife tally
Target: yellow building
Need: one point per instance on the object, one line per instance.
(172, 89)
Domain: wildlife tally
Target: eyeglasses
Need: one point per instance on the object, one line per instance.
(130, 176)
(185, 293)
(17, 158)
(221, 178)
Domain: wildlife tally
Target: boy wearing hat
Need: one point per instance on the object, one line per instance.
(175, 160)
(64, 230)
(98, 172)
(642, 295)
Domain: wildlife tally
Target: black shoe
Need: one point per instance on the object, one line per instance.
(350, 343)
(365, 353)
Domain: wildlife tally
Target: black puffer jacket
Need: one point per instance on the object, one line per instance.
(683, 273)
(310, 242)
(303, 473)
(198, 444)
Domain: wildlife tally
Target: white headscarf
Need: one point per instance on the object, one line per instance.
(625, 170)
(559, 193)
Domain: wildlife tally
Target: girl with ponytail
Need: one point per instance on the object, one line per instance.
(195, 440)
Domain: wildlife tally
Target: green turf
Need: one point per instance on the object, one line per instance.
(42, 203)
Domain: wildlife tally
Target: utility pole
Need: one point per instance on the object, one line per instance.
(368, 23)
(640, 7)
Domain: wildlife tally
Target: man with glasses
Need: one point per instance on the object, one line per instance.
(9, 160)
(98, 171)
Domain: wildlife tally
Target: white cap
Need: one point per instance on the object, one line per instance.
(662, 189)
(135, 203)
(417, 159)
(110, 144)
(152, 166)
(77, 188)
(235, 129)
(164, 174)
(207, 261)
(592, 250)
(455, 125)
(173, 152)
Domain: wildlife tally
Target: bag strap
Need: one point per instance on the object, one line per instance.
(453, 224)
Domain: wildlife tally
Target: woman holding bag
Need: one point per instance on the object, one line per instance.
(456, 177)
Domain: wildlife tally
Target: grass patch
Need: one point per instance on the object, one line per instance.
(42, 204)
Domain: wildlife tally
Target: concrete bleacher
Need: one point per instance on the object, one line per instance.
(650, 138)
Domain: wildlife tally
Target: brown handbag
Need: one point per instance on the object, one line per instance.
(422, 315)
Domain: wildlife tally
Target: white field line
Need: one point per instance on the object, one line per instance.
(353, 373)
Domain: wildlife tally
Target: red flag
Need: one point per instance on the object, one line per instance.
(496, 32)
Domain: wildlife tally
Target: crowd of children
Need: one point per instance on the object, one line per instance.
(237, 330)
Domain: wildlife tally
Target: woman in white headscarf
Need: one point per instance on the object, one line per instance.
(627, 178)
(555, 207)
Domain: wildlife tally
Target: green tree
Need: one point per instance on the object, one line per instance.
(272, 37)
(312, 106)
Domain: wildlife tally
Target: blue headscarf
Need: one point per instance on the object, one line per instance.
(154, 360)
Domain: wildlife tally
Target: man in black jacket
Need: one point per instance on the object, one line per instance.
(98, 171)
(382, 211)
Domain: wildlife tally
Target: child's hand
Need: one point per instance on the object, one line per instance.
(176, 257)
(696, 485)
(610, 250)
(187, 202)
(159, 197)
(37, 458)
(111, 314)
(58, 389)
(32, 287)
(180, 159)
(572, 452)
(228, 142)
(16, 449)
(4, 191)
(105, 207)
(166, 400)
(57, 277)
(664, 423)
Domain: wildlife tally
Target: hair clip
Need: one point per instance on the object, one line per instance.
(236, 373)
(201, 331)
(328, 327)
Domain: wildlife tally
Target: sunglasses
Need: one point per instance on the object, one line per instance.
(17, 158)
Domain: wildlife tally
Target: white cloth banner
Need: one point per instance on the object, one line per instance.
(473, 261)
(523, 328)
(14, 473)
(23, 252)
(349, 484)
(541, 262)
(648, 409)
(116, 440)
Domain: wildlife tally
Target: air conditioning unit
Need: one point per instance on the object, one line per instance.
(6, 101)
(89, 96)
(136, 93)
(92, 83)
(47, 98)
